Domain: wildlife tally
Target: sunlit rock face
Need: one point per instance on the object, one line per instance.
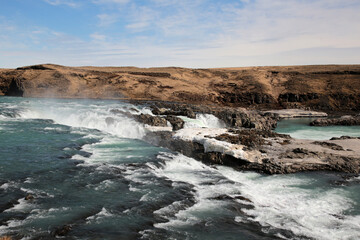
(326, 88)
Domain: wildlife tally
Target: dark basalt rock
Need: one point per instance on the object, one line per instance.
(176, 111)
(252, 138)
(152, 74)
(15, 89)
(242, 119)
(176, 123)
(227, 197)
(34, 67)
(151, 120)
(342, 121)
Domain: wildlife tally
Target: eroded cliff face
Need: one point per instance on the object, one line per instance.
(326, 88)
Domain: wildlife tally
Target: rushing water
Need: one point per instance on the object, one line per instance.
(86, 167)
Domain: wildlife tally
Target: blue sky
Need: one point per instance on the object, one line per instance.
(196, 33)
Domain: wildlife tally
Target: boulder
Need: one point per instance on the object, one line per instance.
(176, 111)
(151, 120)
(239, 118)
(176, 122)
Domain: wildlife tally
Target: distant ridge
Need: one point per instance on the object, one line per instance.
(319, 87)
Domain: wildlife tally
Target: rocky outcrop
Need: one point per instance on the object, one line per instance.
(151, 120)
(342, 121)
(242, 118)
(176, 110)
(261, 151)
(250, 138)
(176, 123)
(15, 88)
(232, 117)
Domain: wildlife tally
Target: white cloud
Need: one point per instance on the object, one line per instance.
(98, 37)
(110, 1)
(69, 3)
(107, 19)
(204, 34)
(141, 17)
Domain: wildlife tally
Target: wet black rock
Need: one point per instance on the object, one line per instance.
(251, 138)
(238, 118)
(176, 122)
(176, 111)
(151, 120)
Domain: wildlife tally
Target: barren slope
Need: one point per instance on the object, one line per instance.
(328, 87)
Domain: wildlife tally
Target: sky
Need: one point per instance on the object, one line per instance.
(183, 33)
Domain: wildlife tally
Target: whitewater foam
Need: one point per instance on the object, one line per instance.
(91, 117)
(100, 215)
(203, 121)
(179, 168)
(280, 202)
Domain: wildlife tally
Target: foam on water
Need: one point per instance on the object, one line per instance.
(117, 125)
(22, 206)
(280, 202)
(179, 168)
(100, 215)
(203, 121)
(109, 118)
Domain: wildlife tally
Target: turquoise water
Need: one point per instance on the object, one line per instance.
(99, 178)
(299, 128)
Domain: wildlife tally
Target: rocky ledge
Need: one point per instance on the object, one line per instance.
(343, 121)
(262, 151)
(230, 117)
(296, 113)
(247, 142)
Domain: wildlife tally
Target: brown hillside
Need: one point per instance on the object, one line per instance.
(328, 87)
